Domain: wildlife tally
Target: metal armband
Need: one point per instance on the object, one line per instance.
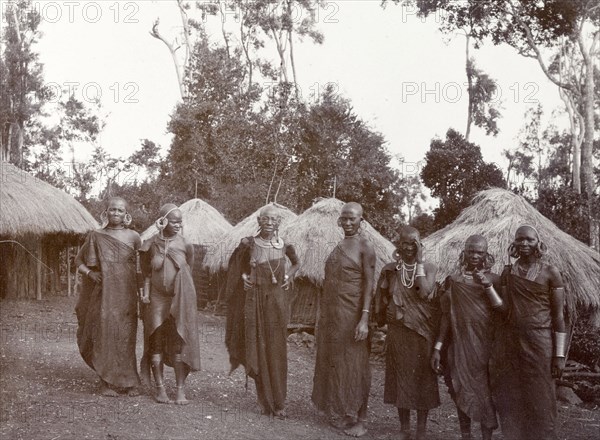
(560, 344)
(493, 296)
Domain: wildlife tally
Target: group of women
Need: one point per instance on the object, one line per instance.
(498, 339)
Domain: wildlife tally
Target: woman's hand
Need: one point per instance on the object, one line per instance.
(95, 276)
(247, 283)
(362, 330)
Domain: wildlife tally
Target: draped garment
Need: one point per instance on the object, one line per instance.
(521, 376)
(256, 329)
(172, 295)
(410, 383)
(107, 311)
(342, 378)
(472, 324)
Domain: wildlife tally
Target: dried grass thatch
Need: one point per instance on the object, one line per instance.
(202, 224)
(218, 257)
(29, 205)
(315, 233)
(496, 214)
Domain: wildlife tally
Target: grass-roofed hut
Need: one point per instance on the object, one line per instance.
(203, 225)
(217, 257)
(37, 222)
(315, 233)
(496, 214)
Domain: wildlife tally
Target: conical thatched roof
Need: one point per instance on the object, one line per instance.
(315, 233)
(496, 214)
(29, 205)
(219, 257)
(202, 224)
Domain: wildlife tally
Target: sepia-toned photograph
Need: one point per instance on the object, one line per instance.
(300, 219)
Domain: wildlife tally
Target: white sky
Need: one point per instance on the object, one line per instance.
(376, 57)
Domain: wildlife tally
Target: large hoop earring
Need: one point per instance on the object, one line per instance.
(128, 219)
(360, 226)
(512, 251)
(104, 219)
(489, 261)
(339, 222)
(541, 249)
(461, 258)
(396, 255)
(162, 223)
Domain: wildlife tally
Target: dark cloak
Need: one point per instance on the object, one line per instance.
(107, 312)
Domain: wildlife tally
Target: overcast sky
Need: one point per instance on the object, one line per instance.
(403, 76)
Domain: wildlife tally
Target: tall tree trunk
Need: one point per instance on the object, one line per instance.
(245, 42)
(587, 166)
(293, 64)
(576, 123)
(469, 90)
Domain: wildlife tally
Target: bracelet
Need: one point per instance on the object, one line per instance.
(420, 270)
(438, 346)
(495, 299)
(365, 310)
(88, 272)
(560, 344)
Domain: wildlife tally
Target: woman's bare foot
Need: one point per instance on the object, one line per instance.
(343, 423)
(180, 397)
(280, 414)
(161, 395)
(132, 392)
(106, 390)
(358, 430)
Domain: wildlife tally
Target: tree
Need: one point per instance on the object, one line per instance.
(340, 155)
(21, 84)
(454, 172)
(182, 41)
(530, 27)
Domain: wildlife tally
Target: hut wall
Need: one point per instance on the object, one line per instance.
(303, 304)
(19, 268)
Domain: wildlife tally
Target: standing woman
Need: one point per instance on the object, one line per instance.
(532, 343)
(342, 378)
(257, 310)
(405, 296)
(170, 316)
(107, 306)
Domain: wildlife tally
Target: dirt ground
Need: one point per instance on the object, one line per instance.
(48, 392)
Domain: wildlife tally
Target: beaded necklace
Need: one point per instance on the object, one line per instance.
(531, 273)
(407, 273)
(268, 245)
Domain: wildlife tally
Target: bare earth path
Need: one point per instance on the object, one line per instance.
(47, 392)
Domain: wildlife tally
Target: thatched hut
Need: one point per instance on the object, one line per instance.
(202, 226)
(37, 222)
(496, 214)
(314, 234)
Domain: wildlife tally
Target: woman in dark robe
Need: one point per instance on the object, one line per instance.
(342, 378)
(170, 316)
(108, 301)
(406, 301)
(257, 311)
(530, 346)
(469, 310)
